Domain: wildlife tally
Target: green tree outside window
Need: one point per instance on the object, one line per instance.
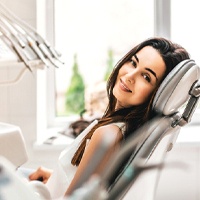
(109, 65)
(75, 101)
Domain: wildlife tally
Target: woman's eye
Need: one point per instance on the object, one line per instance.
(147, 78)
(133, 63)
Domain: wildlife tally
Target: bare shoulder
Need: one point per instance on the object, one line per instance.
(110, 130)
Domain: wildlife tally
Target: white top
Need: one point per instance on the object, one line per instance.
(64, 172)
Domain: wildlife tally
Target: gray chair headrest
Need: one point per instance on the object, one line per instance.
(174, 90)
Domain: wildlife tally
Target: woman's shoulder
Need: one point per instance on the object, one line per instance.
(114, 129)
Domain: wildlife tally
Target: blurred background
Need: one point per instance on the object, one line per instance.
(91, 37)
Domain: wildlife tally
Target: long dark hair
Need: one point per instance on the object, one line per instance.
(134, 116)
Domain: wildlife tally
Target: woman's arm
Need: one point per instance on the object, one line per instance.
(110, 131)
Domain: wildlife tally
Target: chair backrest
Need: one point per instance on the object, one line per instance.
(150, 143)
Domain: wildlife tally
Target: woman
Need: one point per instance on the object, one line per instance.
(131, 89)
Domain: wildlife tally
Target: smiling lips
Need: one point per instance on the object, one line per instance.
(124, 87)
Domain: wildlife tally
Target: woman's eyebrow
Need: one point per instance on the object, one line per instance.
(152, 72)
(148, 69)
(136, 58)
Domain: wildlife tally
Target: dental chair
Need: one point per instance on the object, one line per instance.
(174, 104)
(136, 167)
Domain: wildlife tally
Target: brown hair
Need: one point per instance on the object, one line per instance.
(134, 116)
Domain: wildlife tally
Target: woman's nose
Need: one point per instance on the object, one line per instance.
(131, 76)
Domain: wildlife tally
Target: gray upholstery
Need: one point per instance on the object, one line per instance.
(174, 90)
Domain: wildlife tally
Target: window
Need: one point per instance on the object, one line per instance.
(184, 27)
(185, 32)
(90, 30)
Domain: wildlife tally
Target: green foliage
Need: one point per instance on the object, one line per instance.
(109, 65)
(75, 101)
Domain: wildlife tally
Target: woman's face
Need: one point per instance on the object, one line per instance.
(138, 78)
